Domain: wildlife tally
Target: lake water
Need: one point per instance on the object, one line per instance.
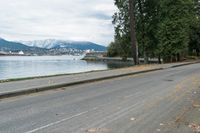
(30, 66)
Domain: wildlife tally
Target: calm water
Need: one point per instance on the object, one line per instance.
(30, 66)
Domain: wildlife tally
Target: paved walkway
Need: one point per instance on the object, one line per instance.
(40, 84)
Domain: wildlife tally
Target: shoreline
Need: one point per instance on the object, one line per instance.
(38, 84)
(49, 76)
(101, 59)
(86, 72)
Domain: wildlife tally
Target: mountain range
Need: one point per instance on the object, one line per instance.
(15, 46)
(52, 44)
(44, 46)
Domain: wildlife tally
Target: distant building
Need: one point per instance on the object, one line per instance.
(89, 51)
(21, 53)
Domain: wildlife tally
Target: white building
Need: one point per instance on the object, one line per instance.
(21, 53)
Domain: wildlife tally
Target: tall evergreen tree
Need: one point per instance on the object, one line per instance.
(147, 25)
(122, 29)
(194, 44)
(173, 34)
(164, 28)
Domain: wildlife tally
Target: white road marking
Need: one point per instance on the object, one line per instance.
(68, 118)
(57, 122)
(65, 119)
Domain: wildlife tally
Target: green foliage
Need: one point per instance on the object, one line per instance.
(173, 33)
(119, 48)
(113, 50)
(147, 25)
(122, 30)
(194, 44)
(164, 28)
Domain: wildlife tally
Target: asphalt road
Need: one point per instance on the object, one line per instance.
(144, 103)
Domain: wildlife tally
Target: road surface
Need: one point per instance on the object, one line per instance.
(143, 103)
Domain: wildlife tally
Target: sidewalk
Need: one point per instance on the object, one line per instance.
(21, 87)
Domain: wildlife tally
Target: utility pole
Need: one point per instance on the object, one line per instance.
(133, 32)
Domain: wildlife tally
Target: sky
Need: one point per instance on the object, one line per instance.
(78, 20)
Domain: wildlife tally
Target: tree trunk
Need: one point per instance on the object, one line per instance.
(159, 59)
(197, 51)
(146, 59)
(133, 33)
(178, 57)
(143, 32)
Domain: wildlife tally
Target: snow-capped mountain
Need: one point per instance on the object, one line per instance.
(8, 46)
(49, 43)
(53, 43)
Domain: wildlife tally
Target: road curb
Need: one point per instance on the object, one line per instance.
(35, 90)
(52, 87)
(185, 64)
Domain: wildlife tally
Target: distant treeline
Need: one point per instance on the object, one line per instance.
(165, 29)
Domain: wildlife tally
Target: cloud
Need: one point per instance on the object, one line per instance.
(85, 20)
